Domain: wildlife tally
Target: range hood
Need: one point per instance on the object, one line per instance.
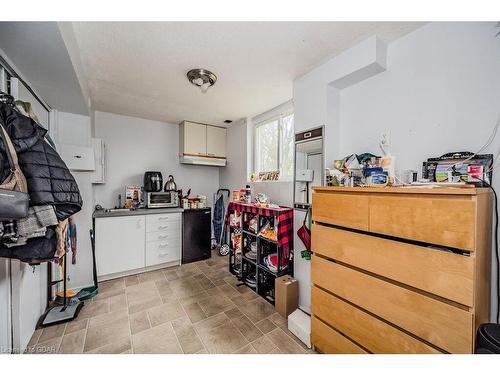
(202, 160)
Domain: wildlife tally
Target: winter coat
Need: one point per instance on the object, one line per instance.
(49, 180)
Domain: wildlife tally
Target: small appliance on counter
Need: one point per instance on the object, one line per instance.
(153, 181)
(161, 199)
(196, 234)
(170, 185)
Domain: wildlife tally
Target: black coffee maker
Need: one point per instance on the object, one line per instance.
(153, 181)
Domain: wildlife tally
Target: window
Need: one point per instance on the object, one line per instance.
(274, 146)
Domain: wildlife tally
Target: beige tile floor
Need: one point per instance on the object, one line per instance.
(193, 308)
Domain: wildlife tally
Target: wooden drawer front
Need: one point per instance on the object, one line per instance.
(447, 221)
(445, 274)
(347, 210)
(162, 252)
(159, 226)
(165, 235)
(441, 324)
(372, 333)
(157, 219)
(329, 341)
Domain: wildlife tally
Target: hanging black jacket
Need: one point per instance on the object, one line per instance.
(49, 180)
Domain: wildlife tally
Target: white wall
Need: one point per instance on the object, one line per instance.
(234, 175)
(440, 93)
(75, 129)
(135, 145)
(317, 101)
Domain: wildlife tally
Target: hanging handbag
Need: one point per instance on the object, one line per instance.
(14, 198)
(304, 232)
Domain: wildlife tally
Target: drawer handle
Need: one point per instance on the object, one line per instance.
(163, 254)
(163, 236)
(163, 227)
(163, 218)
(162, 244)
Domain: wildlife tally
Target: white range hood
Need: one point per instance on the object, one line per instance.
(202, 160)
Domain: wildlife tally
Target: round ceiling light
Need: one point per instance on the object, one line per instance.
(202, 78)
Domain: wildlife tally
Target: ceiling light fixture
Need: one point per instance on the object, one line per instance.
(202, 78)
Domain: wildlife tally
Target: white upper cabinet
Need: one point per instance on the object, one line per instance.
(216, 141)
(202, 144)
(77, 158)
(195, 138)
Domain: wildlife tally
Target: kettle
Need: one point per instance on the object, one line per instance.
(170, 185)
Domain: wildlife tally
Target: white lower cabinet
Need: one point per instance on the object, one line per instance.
(126, 244)
(119, 244)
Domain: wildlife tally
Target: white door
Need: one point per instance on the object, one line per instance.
(120, 244)
(195, 138)
(216, 141)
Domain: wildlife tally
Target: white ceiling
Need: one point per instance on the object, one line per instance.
(139, 69)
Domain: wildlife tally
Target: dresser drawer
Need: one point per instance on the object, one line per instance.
(438, 272)
(441, 324)
(166, 235)
(327, 340)
(163, 226)
(374, 334)
(440, 220)
(163, 218)
(162, 252)
(343, 209)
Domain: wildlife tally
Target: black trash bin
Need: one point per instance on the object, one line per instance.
(488, 339)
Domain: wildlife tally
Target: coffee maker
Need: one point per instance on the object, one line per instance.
(153, 181)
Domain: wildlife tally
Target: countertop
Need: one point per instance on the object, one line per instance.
(464, 190)
(139, 211)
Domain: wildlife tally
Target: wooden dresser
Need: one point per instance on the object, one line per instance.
(400, 270)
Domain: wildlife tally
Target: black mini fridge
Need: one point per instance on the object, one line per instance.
(196, 234)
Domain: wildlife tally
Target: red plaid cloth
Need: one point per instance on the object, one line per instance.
(284, 222)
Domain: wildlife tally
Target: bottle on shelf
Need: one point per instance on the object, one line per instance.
(248, 194)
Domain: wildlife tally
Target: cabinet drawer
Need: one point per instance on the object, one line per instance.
(438, 272)
(163, 226)
(372, 333)
(162, 252)
(329, 341)
(166, 235)
(440, 220)
(163, 218)
(441, 324)
(343, 209)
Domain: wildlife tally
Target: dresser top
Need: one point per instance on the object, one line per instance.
(465, 190)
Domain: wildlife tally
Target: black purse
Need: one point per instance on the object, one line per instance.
(14, 198)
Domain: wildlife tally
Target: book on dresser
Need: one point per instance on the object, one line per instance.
(400, 270)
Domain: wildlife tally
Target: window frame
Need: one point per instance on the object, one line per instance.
(279, 119)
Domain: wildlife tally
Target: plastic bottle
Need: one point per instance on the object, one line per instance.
(248, 194)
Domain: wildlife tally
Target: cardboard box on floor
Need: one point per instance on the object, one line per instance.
(286, 295)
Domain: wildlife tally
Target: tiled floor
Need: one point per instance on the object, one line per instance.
(193, 308)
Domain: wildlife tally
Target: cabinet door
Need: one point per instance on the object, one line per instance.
(120, 244)
(195, 138)
(78, 158)
(216, 141)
